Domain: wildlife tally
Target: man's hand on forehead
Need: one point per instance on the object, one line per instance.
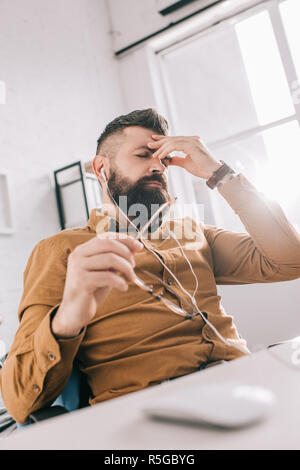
(198, 160)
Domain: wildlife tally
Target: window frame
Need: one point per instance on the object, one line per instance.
(158, 48)
(217, 19)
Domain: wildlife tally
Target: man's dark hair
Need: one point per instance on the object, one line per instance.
(146, 118)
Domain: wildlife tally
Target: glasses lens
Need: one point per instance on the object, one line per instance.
(155, 278)
(174, 307)
(142, 285)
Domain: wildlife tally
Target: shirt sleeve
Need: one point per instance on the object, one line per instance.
(38, 365)
(269, 252)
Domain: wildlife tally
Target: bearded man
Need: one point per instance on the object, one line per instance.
(131, 313)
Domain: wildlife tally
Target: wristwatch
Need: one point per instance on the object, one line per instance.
(223, 174)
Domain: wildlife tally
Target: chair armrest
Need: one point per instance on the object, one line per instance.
(6, 420)
(46, 413)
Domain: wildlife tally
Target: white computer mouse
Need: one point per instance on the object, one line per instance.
(229, 404)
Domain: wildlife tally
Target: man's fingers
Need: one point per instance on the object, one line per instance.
(131, 243)
(158, 137)
(177, 161)
(114, 246)
(154, 144)
(109, 261)
(109, 241)
(121, 237)
(163, 151)
(98, 279)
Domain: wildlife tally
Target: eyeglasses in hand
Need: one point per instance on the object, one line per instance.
(168, 303)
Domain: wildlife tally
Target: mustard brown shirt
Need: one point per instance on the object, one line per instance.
(134, 341)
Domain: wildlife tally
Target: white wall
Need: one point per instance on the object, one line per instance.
(63, 86)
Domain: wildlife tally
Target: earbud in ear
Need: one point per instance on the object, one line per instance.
(103, 174)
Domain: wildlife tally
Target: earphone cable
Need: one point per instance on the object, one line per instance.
(192, 298)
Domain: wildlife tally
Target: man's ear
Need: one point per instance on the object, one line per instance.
(98, 165)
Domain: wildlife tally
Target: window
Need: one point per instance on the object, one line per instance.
(236, 85)
(290, 13)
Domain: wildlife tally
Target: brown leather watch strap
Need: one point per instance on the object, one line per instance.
(219, 174)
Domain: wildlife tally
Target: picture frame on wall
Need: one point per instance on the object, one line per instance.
(6, 217)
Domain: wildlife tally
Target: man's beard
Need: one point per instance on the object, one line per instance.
(138, 200)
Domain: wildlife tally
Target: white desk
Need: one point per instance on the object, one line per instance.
(120, 424)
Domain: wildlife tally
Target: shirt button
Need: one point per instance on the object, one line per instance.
(51, 356)
(36, 388)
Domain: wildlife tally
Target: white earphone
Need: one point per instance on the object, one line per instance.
(104, 175)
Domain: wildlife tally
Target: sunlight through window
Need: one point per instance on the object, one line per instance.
(290, 12)
(267, 80)
(278, 176)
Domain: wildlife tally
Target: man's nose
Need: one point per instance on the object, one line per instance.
(156, 165)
